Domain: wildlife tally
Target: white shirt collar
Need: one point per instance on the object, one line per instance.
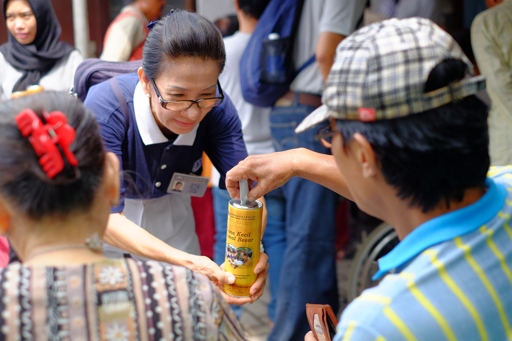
(147, 126)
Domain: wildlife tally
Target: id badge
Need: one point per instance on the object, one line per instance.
(186, 184)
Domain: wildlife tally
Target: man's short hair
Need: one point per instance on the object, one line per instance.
(253, 8)
(407, 87)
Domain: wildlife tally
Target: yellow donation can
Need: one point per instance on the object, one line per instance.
(242, 245)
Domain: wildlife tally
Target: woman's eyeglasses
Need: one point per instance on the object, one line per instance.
(203, 103)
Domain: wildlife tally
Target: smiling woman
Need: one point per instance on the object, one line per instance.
(191, 78)
(34, 55)
(177, 111)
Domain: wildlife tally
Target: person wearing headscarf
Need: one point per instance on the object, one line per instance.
(33, 54)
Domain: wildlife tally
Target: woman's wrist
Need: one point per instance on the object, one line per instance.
(178, 257)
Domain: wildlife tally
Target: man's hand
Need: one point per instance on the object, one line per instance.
(270, 171)
(273, 170)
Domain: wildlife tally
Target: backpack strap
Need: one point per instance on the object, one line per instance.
(137, 51)
(118, 92)
(308, 62)
(128, 14)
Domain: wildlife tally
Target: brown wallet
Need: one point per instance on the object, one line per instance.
(322, 321)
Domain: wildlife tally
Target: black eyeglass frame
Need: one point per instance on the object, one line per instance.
(326, 133)
(163, 102)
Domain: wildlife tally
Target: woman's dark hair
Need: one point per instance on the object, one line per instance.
(182, 34)
(22, 180)
(435, 155)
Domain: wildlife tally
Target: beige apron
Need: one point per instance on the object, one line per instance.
(169, 218)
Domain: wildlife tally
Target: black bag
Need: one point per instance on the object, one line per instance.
(94, 71)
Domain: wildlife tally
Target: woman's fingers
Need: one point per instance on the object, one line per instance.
(215, 273)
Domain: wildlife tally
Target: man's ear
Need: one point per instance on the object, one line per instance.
(5, 218)
(111, 178)
(365, 155)
(146, 87)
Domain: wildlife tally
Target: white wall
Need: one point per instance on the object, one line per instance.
(215, 9)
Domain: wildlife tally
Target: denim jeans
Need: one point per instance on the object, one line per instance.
(273, 239)
(308, 272)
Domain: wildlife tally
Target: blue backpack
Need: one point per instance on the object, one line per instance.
(266, 67)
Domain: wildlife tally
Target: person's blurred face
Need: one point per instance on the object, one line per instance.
(153, 9)
(21, 21)
(187, 78)
(492, 3)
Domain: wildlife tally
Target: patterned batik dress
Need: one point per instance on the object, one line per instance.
(115, 299)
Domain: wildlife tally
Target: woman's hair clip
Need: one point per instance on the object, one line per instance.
(153, 23)
(50, 140)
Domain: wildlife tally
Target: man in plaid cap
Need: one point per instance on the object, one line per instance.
(410, 146)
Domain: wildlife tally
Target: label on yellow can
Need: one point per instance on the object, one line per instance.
(242, 246)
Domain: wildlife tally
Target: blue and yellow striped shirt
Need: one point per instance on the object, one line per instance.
(449, 279)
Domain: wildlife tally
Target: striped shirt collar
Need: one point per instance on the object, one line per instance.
(443, 228)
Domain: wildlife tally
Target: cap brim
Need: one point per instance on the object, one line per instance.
(320, 114)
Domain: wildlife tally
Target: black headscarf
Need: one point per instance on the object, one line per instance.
(39, 57)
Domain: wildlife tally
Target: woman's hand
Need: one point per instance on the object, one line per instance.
(256, 291)
(210, 269)
(219, 277)
(310, 337)
(140, 242)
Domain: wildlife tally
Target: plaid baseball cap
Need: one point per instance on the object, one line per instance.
(380, 73)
